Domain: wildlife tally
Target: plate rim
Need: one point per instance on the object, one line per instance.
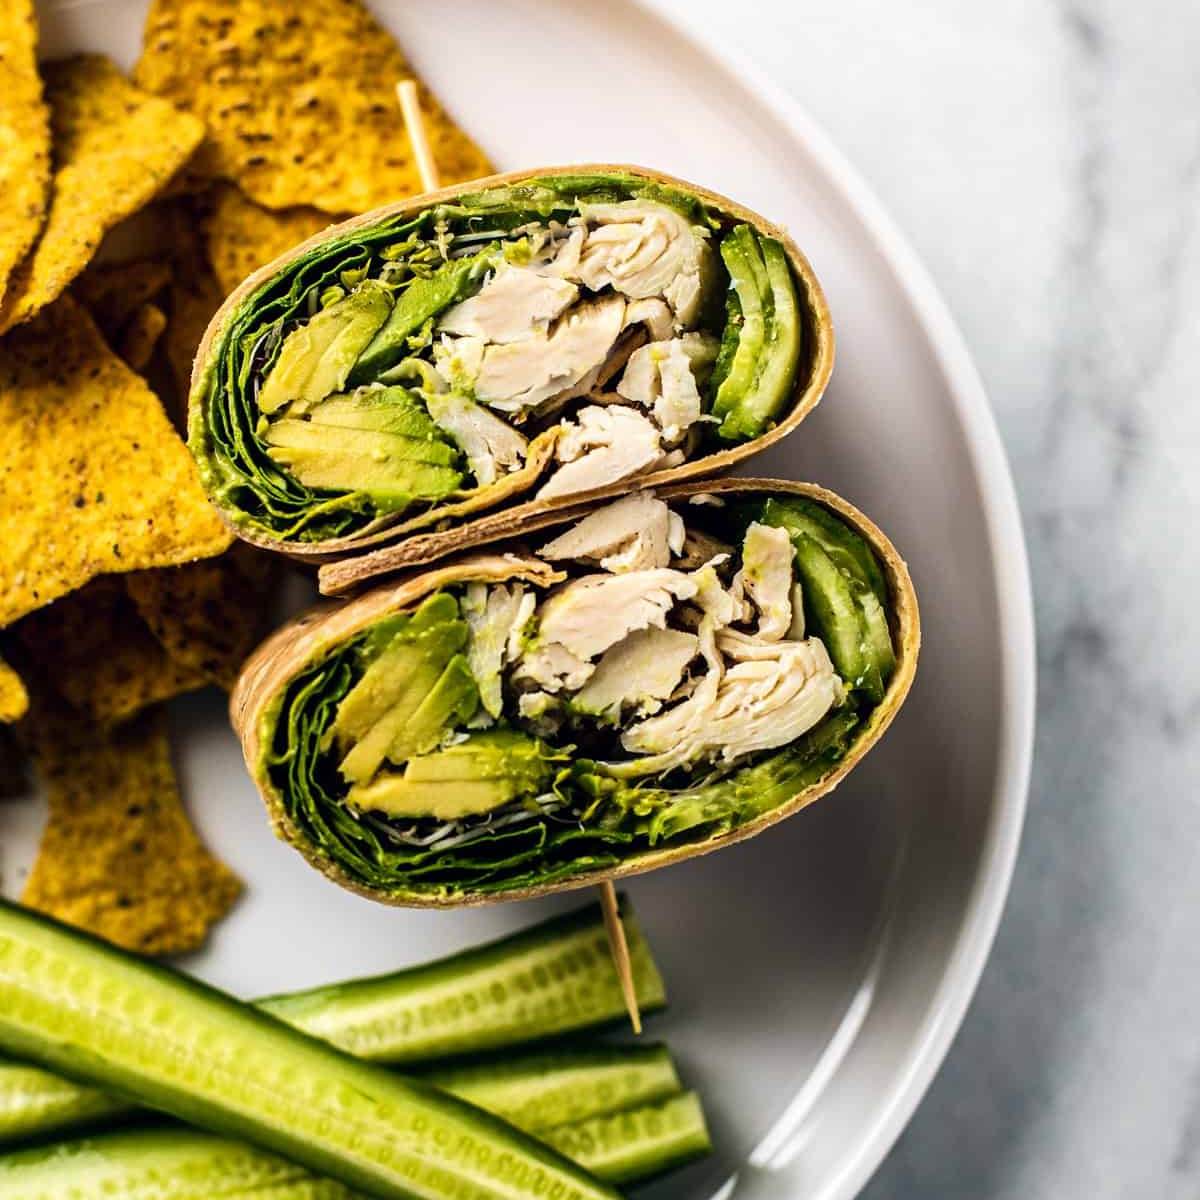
(1011, 584)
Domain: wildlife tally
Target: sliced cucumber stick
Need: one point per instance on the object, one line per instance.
(34, 1103)
(160, 1163)
(552, 979)
(638, 1143)
(835, 615)
(539, 1091)
(556, 965)
(171, 1162)
(80, 1007)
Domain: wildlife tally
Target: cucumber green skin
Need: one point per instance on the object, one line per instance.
(552, 979)
(555, 978)
(174, 1163)
(75, 1005)
(849, 551)
(763, 367)
(160, 1163)
(844, 588)
(558, 1087)
(828, 594)
(639, 1143)
(532, 1091)
(739, 250)
(35, 1103)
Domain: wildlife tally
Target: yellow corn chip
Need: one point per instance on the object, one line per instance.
(14, 699)
(140, 336)
(208, 615)
(93, 478)
(24, 137)
(299, 100)
(119, 856)
(99, 655)
(114, 149)
(241, 236)
(114, 292)
(193, 301)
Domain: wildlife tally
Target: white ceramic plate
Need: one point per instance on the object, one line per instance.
(819, 972)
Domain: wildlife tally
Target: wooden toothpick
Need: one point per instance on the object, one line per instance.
(619, 949)
(414, 122)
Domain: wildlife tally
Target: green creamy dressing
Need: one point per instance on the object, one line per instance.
(294, 432)
(381, 742)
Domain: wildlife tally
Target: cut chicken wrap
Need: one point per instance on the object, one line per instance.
(520, 343)
(639, 682)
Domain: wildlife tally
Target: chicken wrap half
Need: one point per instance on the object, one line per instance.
(521, 343)
(645, 680)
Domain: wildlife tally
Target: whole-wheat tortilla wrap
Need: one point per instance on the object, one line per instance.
(632, 684)
(515, 345)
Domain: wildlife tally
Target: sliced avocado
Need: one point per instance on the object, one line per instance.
(755, 382)
(395, 683)
(317, 356)
(338, 440)
(387, 409)
(433, 629)
(391, 482)
(797, 514)
(422, 299)
(452, 700)
(473, 777)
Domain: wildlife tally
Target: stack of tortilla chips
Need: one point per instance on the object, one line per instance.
(128, 208)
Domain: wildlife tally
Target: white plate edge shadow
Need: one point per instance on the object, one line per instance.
(1013, 588)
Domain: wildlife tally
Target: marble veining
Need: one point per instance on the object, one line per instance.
(1044, 157)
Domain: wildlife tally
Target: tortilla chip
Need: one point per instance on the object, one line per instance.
(140, 336)
(14, 699)
(193, 301)
(93, 478)
(24, 137)
(208, 616)
(299, 100)
(119, 856)
(241, 236)
(14, 766)
(114, 292)
(114, 149)
(101, 657)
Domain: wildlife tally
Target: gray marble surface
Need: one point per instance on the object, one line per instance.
(1044, 158)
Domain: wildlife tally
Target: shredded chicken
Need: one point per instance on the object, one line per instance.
(512, 305)
(602, 445)
(492, 446)
(631, 534)
(654, 314)
(496, 618)
(641, 248)
(767, 577)
(723, 606)
(638, 674)
(585, 617)
(518, 376)
(663, 376)
(771, 694)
